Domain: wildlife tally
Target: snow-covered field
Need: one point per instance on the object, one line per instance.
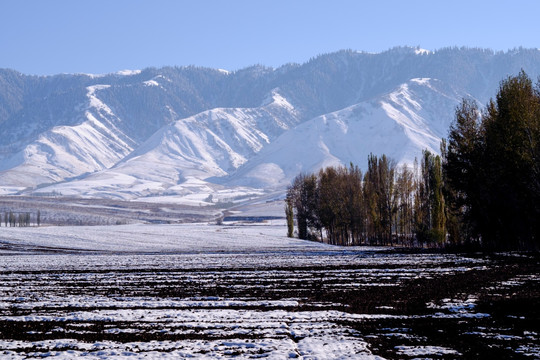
(148, 238)
(208, 291)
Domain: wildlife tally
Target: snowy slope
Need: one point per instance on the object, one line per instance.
(63, 152)
(178, 157)
(399, 124)
(225, 152)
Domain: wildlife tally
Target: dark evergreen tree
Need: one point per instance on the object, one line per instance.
(511, 164)
(463, 167)
(492, 169)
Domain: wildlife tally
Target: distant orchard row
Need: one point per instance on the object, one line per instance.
(20, 219)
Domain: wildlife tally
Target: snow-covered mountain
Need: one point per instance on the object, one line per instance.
(412, 117)
(65, 151)
(173, 134)
(213, 143)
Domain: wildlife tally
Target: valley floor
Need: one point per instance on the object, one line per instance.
(246, 290)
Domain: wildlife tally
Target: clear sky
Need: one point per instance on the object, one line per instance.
(100, 36)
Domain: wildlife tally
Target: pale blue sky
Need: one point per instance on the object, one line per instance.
(100, 36)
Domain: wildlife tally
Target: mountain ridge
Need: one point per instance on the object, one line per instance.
(71, 127)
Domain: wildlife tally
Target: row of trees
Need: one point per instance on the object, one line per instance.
(484, 188)
(386, 205)
(12, 219)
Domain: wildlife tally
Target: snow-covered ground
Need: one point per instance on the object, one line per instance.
(209, 291)
(148, 238)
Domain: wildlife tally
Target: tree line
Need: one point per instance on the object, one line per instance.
(483, 190)
(388, 205)
(492, 168)
(23, 219)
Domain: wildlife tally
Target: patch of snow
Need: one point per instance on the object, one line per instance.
(414, 351)
(455, 306)
(119, 73)
(128, 72)
(94, 76)
(420, 51)
(421, 81)
(276, 99)
(529, 350)
(151, 83)
(10, 190)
